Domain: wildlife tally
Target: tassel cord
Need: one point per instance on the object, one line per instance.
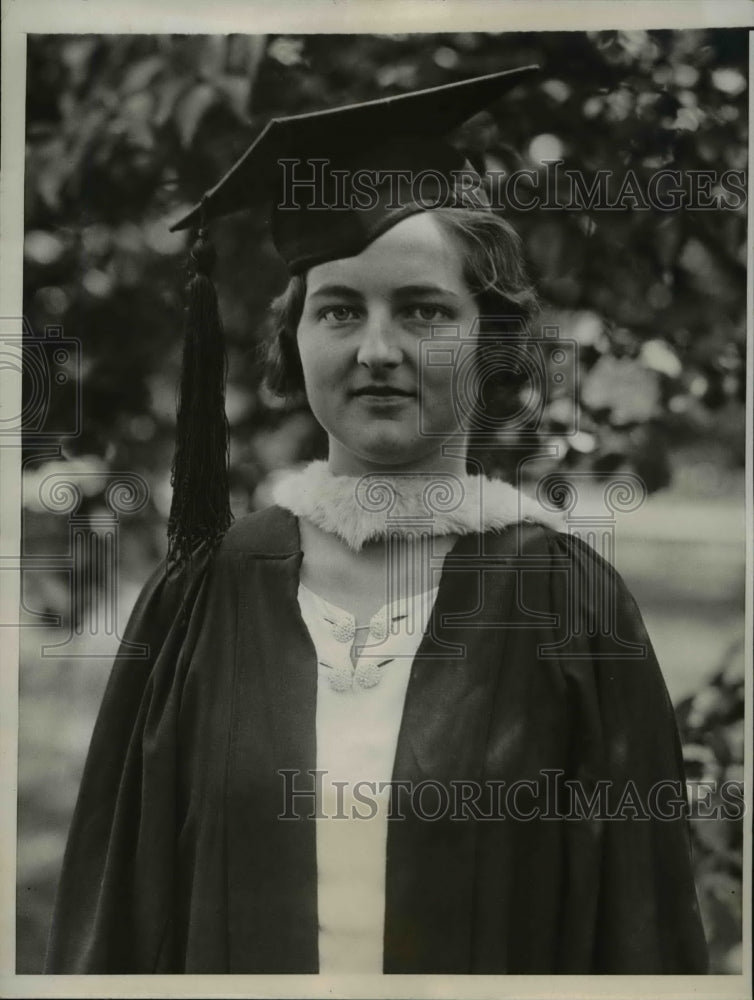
(200, 510)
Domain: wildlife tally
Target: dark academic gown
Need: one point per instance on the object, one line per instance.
(535, 667)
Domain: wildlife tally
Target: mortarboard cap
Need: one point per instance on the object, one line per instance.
(332, 181)
(365, 165)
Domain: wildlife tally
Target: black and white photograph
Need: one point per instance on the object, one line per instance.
(377, 479)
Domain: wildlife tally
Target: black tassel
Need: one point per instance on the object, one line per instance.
(200, 510)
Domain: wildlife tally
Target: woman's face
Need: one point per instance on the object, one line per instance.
(360, 340)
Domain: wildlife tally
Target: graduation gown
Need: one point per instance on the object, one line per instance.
(178, 860)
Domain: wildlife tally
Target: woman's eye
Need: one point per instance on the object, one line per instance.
(337, 314)
(429, 312)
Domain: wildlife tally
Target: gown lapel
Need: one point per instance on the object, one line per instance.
(272, 866)
(442, 742)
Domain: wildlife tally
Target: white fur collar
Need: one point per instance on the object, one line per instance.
(359, 509)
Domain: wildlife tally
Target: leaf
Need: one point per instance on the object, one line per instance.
(237, 90)
(255, 48)
(624, 387)
(140, 75)
(191, 109)
(286, 50)
(167, 97)
(75, 53)
(212, 56)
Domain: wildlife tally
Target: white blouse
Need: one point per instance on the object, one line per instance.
(358, 716)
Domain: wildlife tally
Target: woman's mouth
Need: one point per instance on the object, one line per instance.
(386, 392)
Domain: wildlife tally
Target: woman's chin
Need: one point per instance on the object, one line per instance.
(387, 450)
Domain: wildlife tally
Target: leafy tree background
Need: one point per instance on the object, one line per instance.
(125, 132)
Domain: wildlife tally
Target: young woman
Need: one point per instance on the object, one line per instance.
(381, 727)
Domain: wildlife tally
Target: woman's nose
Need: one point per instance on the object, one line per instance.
(379, 346)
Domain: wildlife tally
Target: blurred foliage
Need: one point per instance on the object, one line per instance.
(712, 729)
(125, 132)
